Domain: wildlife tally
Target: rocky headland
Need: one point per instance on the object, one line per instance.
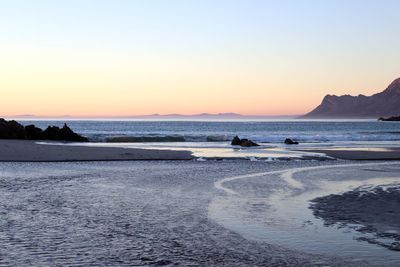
(383, 104)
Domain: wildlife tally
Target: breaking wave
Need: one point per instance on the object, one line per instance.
(273, 138)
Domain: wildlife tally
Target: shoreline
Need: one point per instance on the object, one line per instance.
(392, 153)
(30, 151)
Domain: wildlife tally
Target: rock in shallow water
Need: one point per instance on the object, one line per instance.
(289, 141)
(236, 141)
(394, 118)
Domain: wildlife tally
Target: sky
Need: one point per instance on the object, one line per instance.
(254, 57)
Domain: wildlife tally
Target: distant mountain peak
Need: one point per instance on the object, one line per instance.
(383, 104)
(177, 115)
(394, 86)
(395, 82)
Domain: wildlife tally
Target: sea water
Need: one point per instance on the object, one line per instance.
(212, 138)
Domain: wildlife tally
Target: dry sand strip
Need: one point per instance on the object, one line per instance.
(29, 151)
(389, 154)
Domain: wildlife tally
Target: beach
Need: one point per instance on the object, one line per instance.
(200, 133)
(147, 213)
(116, 213)
(201, 202)
(31, 151)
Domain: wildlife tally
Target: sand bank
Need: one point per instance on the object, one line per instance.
(360, 153)
(20, 150)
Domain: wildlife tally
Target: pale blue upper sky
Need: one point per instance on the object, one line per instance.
(276, 47)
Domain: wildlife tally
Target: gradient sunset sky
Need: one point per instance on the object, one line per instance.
(116, 58)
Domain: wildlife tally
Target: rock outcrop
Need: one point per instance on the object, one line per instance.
(390, 119)
(384, 104)
(11, 130)
(33, 133)
(63, 134)
(14, 130)
(236, 141)
(289, 141)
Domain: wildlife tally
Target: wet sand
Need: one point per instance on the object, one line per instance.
(148, 213)
(367, 209)
(274, 206)
(360, 154)
(30, 151)
(208, 213)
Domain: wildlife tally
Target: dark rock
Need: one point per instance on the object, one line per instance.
(289, 141)
(11, 130)
(247, 143)
(67, 134)
(63, 134)
(33, 132)
(236, 141)
(14, 130)
(51, 133)
(395, 246)
(394, 118)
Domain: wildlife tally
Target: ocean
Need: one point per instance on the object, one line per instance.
(212, 138)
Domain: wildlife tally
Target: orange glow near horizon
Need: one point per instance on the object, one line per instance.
(134, 58)
(81, 85)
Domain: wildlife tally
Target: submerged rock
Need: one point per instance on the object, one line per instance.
(289, 141)
(236, 141)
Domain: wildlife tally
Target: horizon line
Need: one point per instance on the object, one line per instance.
(155, 115)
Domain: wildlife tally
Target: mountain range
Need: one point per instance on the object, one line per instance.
(156, 116)
(383, 104)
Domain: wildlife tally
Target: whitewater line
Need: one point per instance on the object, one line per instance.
(287, 175)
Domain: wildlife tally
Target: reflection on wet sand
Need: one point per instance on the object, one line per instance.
(276, 209)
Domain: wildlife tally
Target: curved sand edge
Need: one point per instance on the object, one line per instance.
(30, 151)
